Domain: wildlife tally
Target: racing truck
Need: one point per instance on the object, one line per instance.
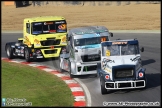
(83, 49)
(121, 65)
(43, 37)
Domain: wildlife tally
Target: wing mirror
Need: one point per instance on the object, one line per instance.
(68, 37)
(142, 49)
(111, 34)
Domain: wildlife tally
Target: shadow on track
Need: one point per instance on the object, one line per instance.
(149, 61)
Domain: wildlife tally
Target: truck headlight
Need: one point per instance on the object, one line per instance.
(107, 77)
(140, 74)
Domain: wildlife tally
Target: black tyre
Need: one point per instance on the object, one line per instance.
(103, 89)
(98, 75)
(20, 41)
(145, 84)
(95, 75)
(27, 55)
(60, 69)
(9, 52)
(71, 75)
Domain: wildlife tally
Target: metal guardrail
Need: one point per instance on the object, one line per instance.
(90, 3)
(80, 3)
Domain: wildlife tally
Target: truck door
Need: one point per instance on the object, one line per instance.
(72, 49)
(27, 33)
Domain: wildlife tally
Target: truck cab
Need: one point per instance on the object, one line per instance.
(121, 65)
(43, 37)
(83, 50)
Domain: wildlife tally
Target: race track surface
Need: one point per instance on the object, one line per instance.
(151, 61)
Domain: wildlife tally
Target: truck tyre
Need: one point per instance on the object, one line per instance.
(9, 52)
(60, 69)
(98, 75)
(27, 55)
(145, 84)
(20, 41)
(103, 89)
(95, 75)
(71, 75)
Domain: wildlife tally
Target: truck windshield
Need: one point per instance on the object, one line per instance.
(116, 50)
(49, 27)
(90, 41)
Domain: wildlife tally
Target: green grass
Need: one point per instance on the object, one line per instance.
(36, 86)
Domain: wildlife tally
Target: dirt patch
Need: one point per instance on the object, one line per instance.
(124, 17)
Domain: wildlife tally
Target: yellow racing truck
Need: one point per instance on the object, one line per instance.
(43, 37)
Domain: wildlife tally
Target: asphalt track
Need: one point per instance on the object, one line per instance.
(151, 61)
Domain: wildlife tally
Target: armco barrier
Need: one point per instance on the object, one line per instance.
(76, 3)
(88, 3)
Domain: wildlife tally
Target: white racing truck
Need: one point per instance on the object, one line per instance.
(120, 66)
(83, 50)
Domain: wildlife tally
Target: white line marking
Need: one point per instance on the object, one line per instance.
(34, 65)
(60, 75)
(74, 89)
(3, 58)
(88, 95)
(79, 98)
(15, 61)
(48, 69)
(70, 81)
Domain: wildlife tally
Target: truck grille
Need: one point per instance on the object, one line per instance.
(90, 68)
(90, 58)
(50, 51)
(50, 42)
(123, 73)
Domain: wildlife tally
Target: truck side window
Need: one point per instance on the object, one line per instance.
(28, 28)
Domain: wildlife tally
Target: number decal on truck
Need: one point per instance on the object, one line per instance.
(107, 52)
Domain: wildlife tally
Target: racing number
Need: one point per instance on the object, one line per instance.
(107, 52)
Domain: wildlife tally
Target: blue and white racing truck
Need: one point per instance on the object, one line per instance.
(120, 66)
(83, 50)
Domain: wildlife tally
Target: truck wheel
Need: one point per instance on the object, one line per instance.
(71, 75)
(20, 41)
(9, 52)
(27, 55)
(145, 84)
(60, 69)
(95, 75)
(98, 75)
(103, 89)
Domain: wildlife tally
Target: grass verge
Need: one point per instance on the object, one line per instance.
(36, 86)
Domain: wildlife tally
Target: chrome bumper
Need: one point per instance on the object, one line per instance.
(125, 84)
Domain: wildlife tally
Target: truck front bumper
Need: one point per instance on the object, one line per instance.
(125, 84)
(48, 53)
(85, 69)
